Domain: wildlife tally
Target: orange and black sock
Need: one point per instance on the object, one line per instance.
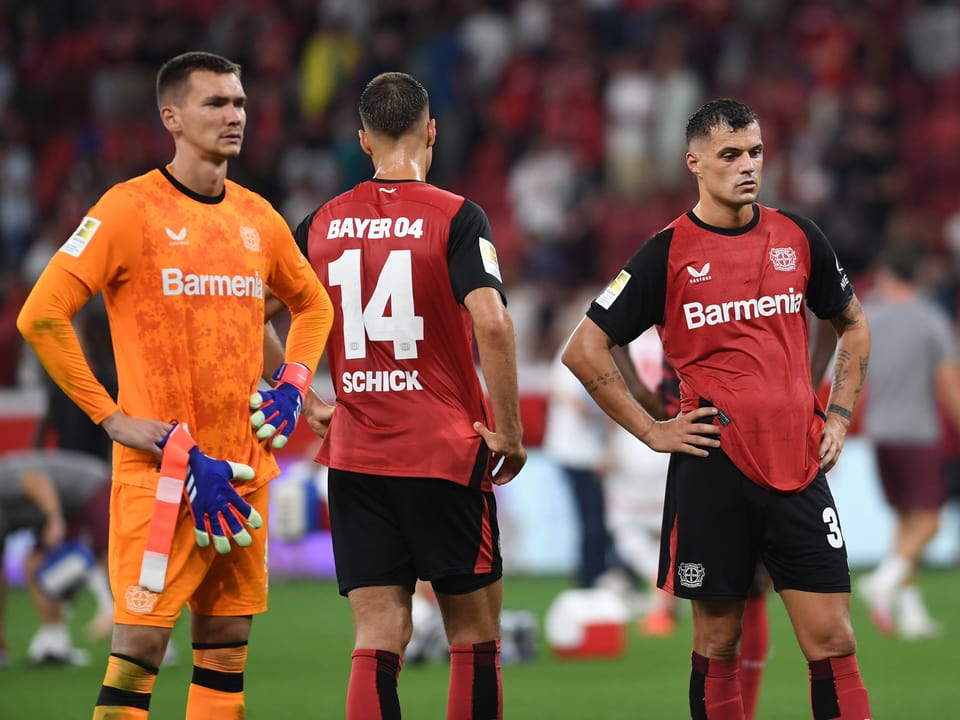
(837, 691)
(476, 688)
(372, 690)
(126, 690)
(714, 689)
(216, 690)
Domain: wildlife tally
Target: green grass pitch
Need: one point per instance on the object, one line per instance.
(300, 660)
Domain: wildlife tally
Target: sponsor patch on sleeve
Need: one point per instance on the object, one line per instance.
(76, 243)
(613, 290)
(489, 254)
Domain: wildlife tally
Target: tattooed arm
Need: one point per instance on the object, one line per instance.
(648, 398)
(587, 355)
(849, 373)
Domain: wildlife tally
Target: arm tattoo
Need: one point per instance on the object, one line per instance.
(851, 314)
(841, 369)
(602, 380)
(841, 411)
(846, 366)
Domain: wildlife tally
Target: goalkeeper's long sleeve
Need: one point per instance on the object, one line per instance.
(45, 323)
(311, 320)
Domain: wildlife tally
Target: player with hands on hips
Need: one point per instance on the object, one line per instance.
(184, 258)
(415, 446)
(726, 285)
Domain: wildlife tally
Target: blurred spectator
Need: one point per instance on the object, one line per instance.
(12, 295)
(932, 37)
(628, 106)
(636, 483)
(843, 86)
(577, 438)
(16, 196)
(914, 366)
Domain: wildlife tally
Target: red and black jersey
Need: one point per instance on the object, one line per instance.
(398, 259)
(729, 307)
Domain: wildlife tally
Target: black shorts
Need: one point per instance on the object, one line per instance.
(717, 523)
(391, 530)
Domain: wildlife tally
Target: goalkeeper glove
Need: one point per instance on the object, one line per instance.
(213, 500)
(277, 410)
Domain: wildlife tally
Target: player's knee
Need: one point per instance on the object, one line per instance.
(839, 645)
(836, 640)
(405, 630)
(718, 640)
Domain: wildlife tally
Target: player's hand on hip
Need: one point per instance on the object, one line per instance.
(690, 433)
(831, 443)
(215, 503)
(137, 433)
(276, 411)
(510, 453)
(317, 413)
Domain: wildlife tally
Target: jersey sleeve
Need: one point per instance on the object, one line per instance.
(829, 290)
(294, 281)
(45, 322)
(471, 255)
(302, 234)
(106, 246)
(636, 298)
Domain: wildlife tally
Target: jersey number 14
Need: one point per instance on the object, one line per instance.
(394, 286)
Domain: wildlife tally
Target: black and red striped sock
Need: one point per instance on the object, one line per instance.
(714, 689)
(837, 691)
(476, 691)
(372, 691)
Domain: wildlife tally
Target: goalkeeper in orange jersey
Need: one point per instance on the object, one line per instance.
(184, 258)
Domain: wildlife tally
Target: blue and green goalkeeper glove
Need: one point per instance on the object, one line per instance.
(212, 498)
(277, 410)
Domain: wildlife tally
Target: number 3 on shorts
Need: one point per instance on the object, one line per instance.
(834, 537)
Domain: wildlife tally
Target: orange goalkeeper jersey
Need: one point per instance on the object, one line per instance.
(183, 277)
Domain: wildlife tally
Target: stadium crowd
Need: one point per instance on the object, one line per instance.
(559, 118)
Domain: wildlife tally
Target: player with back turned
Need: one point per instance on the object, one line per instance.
(726, 284)
(413, 446)
(184, 258)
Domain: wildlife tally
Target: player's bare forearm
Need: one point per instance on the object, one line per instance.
(587, 355)
(497, 350)
(496, 346)
(849, 374)
(853, 357)
(650, 401)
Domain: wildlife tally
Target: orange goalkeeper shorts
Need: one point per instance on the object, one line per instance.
(228, 585)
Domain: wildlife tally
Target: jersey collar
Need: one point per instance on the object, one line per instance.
(208, 199)
(733, 232)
